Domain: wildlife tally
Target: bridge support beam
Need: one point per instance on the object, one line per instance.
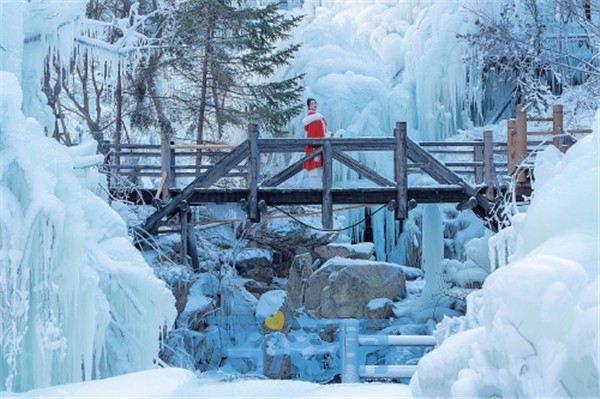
(188, 238)
(401, 171)
(253, 173)
(327, 211)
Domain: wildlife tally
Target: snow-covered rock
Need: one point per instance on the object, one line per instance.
(364, 250)
(342, 288)
(379, 309)
(256, 264)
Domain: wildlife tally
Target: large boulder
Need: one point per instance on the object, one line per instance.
(342, 288)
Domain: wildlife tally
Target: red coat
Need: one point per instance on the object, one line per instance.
(315, 126)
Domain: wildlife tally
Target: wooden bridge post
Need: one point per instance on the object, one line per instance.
(489, 171)
(102, 149)
(253, 173)
(327, 204)
(557, 127)
(401, 171)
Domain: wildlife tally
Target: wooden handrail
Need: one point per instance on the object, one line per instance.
(518, 138)
(203, 146)
(183, 162)
(579, 131)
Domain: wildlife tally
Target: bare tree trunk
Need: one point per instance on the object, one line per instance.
(203, 93)
(164, 126)
(119, 111)
(202, 109)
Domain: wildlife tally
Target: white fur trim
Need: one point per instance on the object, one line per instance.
(312, 118)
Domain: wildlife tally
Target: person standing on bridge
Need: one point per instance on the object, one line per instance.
(315, 127)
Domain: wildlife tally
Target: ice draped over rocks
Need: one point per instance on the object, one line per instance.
(77, 300)
(532, 330)
(29, 31)
(372, 65)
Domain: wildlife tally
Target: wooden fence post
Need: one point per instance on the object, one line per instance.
(165, 162)
(511, 132)
(517, 143)
(327, 204)
(521, 143)
(401, 171)
(478, 157)
(557, 127)
(171, 178)
(253, 173)
(489, 171)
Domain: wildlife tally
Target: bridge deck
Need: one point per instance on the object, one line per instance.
(281, 196)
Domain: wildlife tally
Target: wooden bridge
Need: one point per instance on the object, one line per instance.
(244, 161)
(470, 174)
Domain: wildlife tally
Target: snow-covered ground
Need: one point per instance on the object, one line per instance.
(180, 383)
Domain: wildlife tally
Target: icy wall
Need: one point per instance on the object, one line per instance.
(77, 300)
(371, 64)
(532, 330)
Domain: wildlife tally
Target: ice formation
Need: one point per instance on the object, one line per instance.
(77, 300)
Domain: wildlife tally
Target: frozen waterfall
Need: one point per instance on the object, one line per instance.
(77, 300)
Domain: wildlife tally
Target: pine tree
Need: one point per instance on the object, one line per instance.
(225, 56)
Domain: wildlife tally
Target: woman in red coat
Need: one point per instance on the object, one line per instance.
(315, 126)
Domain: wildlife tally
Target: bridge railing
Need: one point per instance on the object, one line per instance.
(135, 161)
(525, 135)
(330, 149)
(482, 162)
(402, 153)
(479, 161)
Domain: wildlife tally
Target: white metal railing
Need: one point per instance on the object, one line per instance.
(351, 341)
